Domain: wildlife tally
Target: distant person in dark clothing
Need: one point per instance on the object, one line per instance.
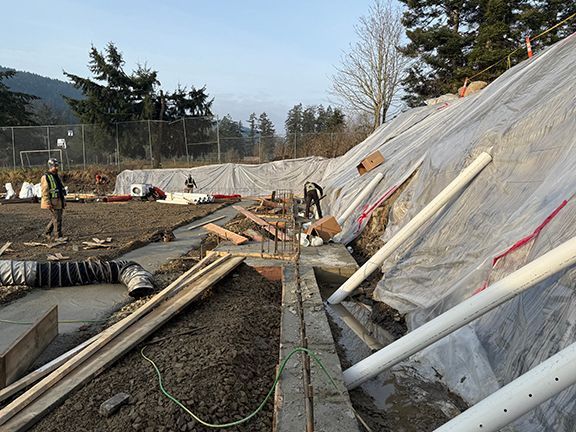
(312, 193)
(53, 199)
(190, 184)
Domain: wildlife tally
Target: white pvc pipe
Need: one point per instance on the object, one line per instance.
(548, 264)
(374, 263)
(361, 197)
(519, 397)
(356, 326)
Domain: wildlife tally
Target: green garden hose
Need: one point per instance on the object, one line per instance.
(260, 407)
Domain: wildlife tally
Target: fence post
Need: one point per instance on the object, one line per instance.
(260, 148)
(13, 148)
(83, 148)
(150, 144)
(218, 138)
(48, 141)
(117, 147)
(185, 140)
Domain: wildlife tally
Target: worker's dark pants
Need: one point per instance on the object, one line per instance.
(55, 223)
(313, 196)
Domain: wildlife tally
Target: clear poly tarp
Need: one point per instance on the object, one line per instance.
(527, 119)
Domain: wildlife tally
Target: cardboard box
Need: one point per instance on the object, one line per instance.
(370, 162)
(325, 228)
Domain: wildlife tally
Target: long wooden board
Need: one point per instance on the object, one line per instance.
(237, 239)
(267, 226)
(110, 353)
(256, 236)
(44, 370)
(105, 337)
(205, 223)
(23, 351)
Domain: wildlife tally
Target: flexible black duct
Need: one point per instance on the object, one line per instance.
(61, 274)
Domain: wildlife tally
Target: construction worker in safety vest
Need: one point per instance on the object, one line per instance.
(313, 192)
(53, 199)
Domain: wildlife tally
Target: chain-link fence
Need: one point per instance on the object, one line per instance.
(144, 144)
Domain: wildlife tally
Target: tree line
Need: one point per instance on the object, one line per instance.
(399, 58)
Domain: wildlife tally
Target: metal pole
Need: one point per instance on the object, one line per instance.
(260, 148)
(519, 397)
(48, 141)
(13, 148)
(117, 147)
(150, 144)
(83, 147)
(543, 267)
(185, 140)
(218, 138)
(449, 192)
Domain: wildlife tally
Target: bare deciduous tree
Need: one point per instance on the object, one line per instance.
(370, 75)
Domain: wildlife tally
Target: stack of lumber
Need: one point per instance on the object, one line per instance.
(72, 370)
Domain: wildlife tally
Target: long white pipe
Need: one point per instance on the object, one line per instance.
(356, 326)
(374, 263)
(361, 197)
(548, 264)
(519, 397)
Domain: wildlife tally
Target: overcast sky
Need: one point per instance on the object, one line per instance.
(252, 55)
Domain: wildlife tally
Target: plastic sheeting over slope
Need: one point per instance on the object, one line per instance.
(528, 119)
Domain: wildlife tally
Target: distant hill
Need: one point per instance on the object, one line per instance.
(49, 90)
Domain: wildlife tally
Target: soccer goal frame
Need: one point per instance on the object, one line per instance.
(25, 153)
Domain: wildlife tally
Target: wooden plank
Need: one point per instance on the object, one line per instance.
(239, 253)
(268, 227)
(205, 223)
(23, 351)
(5, 247)
(113, 351)
(256, 236)
(44, 370)
(226, 234)
(105, 337)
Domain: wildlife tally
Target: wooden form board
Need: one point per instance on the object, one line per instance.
(106, 337)
(267, 226)
(225, 234)
(29, 408)
(41, 372)
(256, 236)
(201, 224)
(21, 354)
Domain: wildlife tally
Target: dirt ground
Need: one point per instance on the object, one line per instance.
(131, 225)
(222, 372)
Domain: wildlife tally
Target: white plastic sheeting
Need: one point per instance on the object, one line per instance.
(528, 117)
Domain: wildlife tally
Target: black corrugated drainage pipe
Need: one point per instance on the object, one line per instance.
(139, 282)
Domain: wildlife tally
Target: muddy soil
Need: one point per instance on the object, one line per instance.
(131, 225)
(222, 372)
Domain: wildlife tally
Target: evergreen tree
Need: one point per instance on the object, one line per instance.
(441, 33)
(309, 120)
(252, 133)
(15, 107)
(293, 123)
(452, 40)
(267, 132)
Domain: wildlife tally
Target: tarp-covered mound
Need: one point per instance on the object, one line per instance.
(528, 119)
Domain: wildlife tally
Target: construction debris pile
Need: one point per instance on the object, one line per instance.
(519, 207)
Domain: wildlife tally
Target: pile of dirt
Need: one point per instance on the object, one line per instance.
(77, 180)
(221, 372)
(130, 225)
